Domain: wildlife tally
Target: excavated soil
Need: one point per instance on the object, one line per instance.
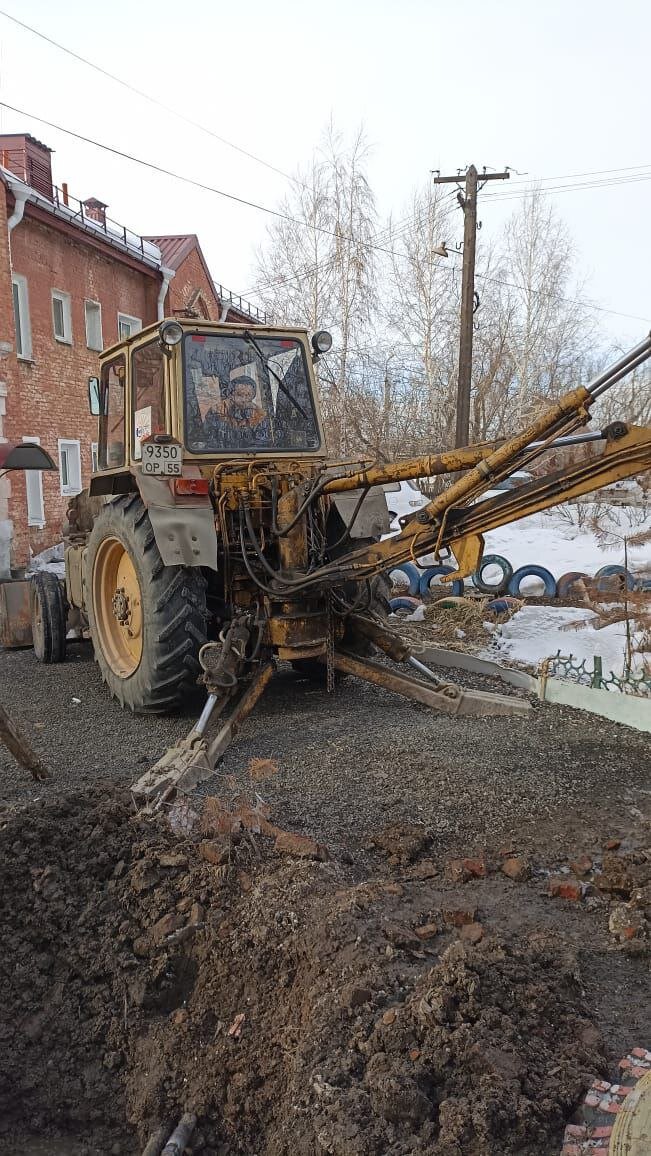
(295, 1004)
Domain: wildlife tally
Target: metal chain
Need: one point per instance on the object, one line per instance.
(330, 644)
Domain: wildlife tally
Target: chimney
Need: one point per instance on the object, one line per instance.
(96, 210)
(28, 159)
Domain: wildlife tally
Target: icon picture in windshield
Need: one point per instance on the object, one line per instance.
(247, 393)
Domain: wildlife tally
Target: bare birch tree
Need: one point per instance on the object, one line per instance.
(319, 268)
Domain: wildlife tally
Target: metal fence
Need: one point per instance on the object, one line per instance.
(630, 682)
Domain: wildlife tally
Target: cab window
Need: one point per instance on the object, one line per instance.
(148, 393)
(111, 423)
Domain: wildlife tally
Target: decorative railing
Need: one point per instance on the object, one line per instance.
(566, 666)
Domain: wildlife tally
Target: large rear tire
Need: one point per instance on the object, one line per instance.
(147, 620)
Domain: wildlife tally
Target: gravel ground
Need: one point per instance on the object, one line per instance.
(352, 762)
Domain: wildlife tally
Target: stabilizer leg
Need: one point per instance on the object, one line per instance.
(444, 696)
(194, 758)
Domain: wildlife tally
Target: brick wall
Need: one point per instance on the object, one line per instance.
(47, 397)
(190, 277)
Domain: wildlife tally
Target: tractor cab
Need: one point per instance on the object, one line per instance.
(193, 392)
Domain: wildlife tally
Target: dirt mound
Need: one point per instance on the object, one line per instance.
(293, 1010)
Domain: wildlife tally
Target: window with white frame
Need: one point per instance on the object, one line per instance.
(21, 317)
(128, 325)
(34, 488)
(93, 312)
(62, 316)
(69, 466)
(94, 458)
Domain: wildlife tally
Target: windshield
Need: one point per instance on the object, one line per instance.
(247, 392)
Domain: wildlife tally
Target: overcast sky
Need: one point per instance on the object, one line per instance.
(553, 88)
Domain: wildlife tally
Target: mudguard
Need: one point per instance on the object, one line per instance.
(184, 529)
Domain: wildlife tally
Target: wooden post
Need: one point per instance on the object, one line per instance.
(468, 201)
(20, 748)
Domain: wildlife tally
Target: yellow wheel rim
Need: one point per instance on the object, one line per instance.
(117, 606)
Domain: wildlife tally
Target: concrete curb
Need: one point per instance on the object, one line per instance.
(631, 710)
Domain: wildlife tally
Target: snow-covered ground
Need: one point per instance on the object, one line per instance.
(556, 540)
(536, 633)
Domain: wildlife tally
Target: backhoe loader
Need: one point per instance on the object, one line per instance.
(217, 537)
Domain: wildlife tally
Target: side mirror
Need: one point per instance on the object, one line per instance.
(94, 398)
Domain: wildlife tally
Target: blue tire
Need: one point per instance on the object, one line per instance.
(532, 572)
(403, 603)
(455, 588)
(496, 587)
(610, 572)
(411, 573)
(502, 605)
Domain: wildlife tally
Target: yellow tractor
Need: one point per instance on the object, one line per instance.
(217, 537)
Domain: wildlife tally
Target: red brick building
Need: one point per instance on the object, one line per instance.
(71, 283)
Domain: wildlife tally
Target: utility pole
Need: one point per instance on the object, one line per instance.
(467, 198)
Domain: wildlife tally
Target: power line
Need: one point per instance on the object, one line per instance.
(196, 184)
(572, 176)
(255, 205)
(571, 187)
(245, 152)
(145, 95)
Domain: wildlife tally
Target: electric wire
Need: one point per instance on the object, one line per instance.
(145, 95)
(273, 212)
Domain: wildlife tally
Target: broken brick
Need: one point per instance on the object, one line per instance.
(196, 914)
(582, 865)
(426, 930)
(179, 1016)
(460, 870)
(355, 996)
(563, 888)
(515, 868)
(626, 922)
(172, 860)
(165, 926)
(402, 936)
(456, 917)
(612, 844)
(471, 932)
(302, 846)
(414, 1054)
(215, 852)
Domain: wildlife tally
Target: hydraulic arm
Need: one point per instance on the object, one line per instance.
(456, 518)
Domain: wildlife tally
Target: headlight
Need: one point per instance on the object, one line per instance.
(322, 341)
(170, 332)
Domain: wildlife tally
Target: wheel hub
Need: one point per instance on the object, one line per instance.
(121, 608)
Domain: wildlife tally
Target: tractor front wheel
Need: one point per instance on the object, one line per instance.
(147, 620)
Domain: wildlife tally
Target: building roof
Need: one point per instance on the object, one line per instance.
(70, 211)
(174, 250)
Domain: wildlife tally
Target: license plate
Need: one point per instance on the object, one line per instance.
(161, 459)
